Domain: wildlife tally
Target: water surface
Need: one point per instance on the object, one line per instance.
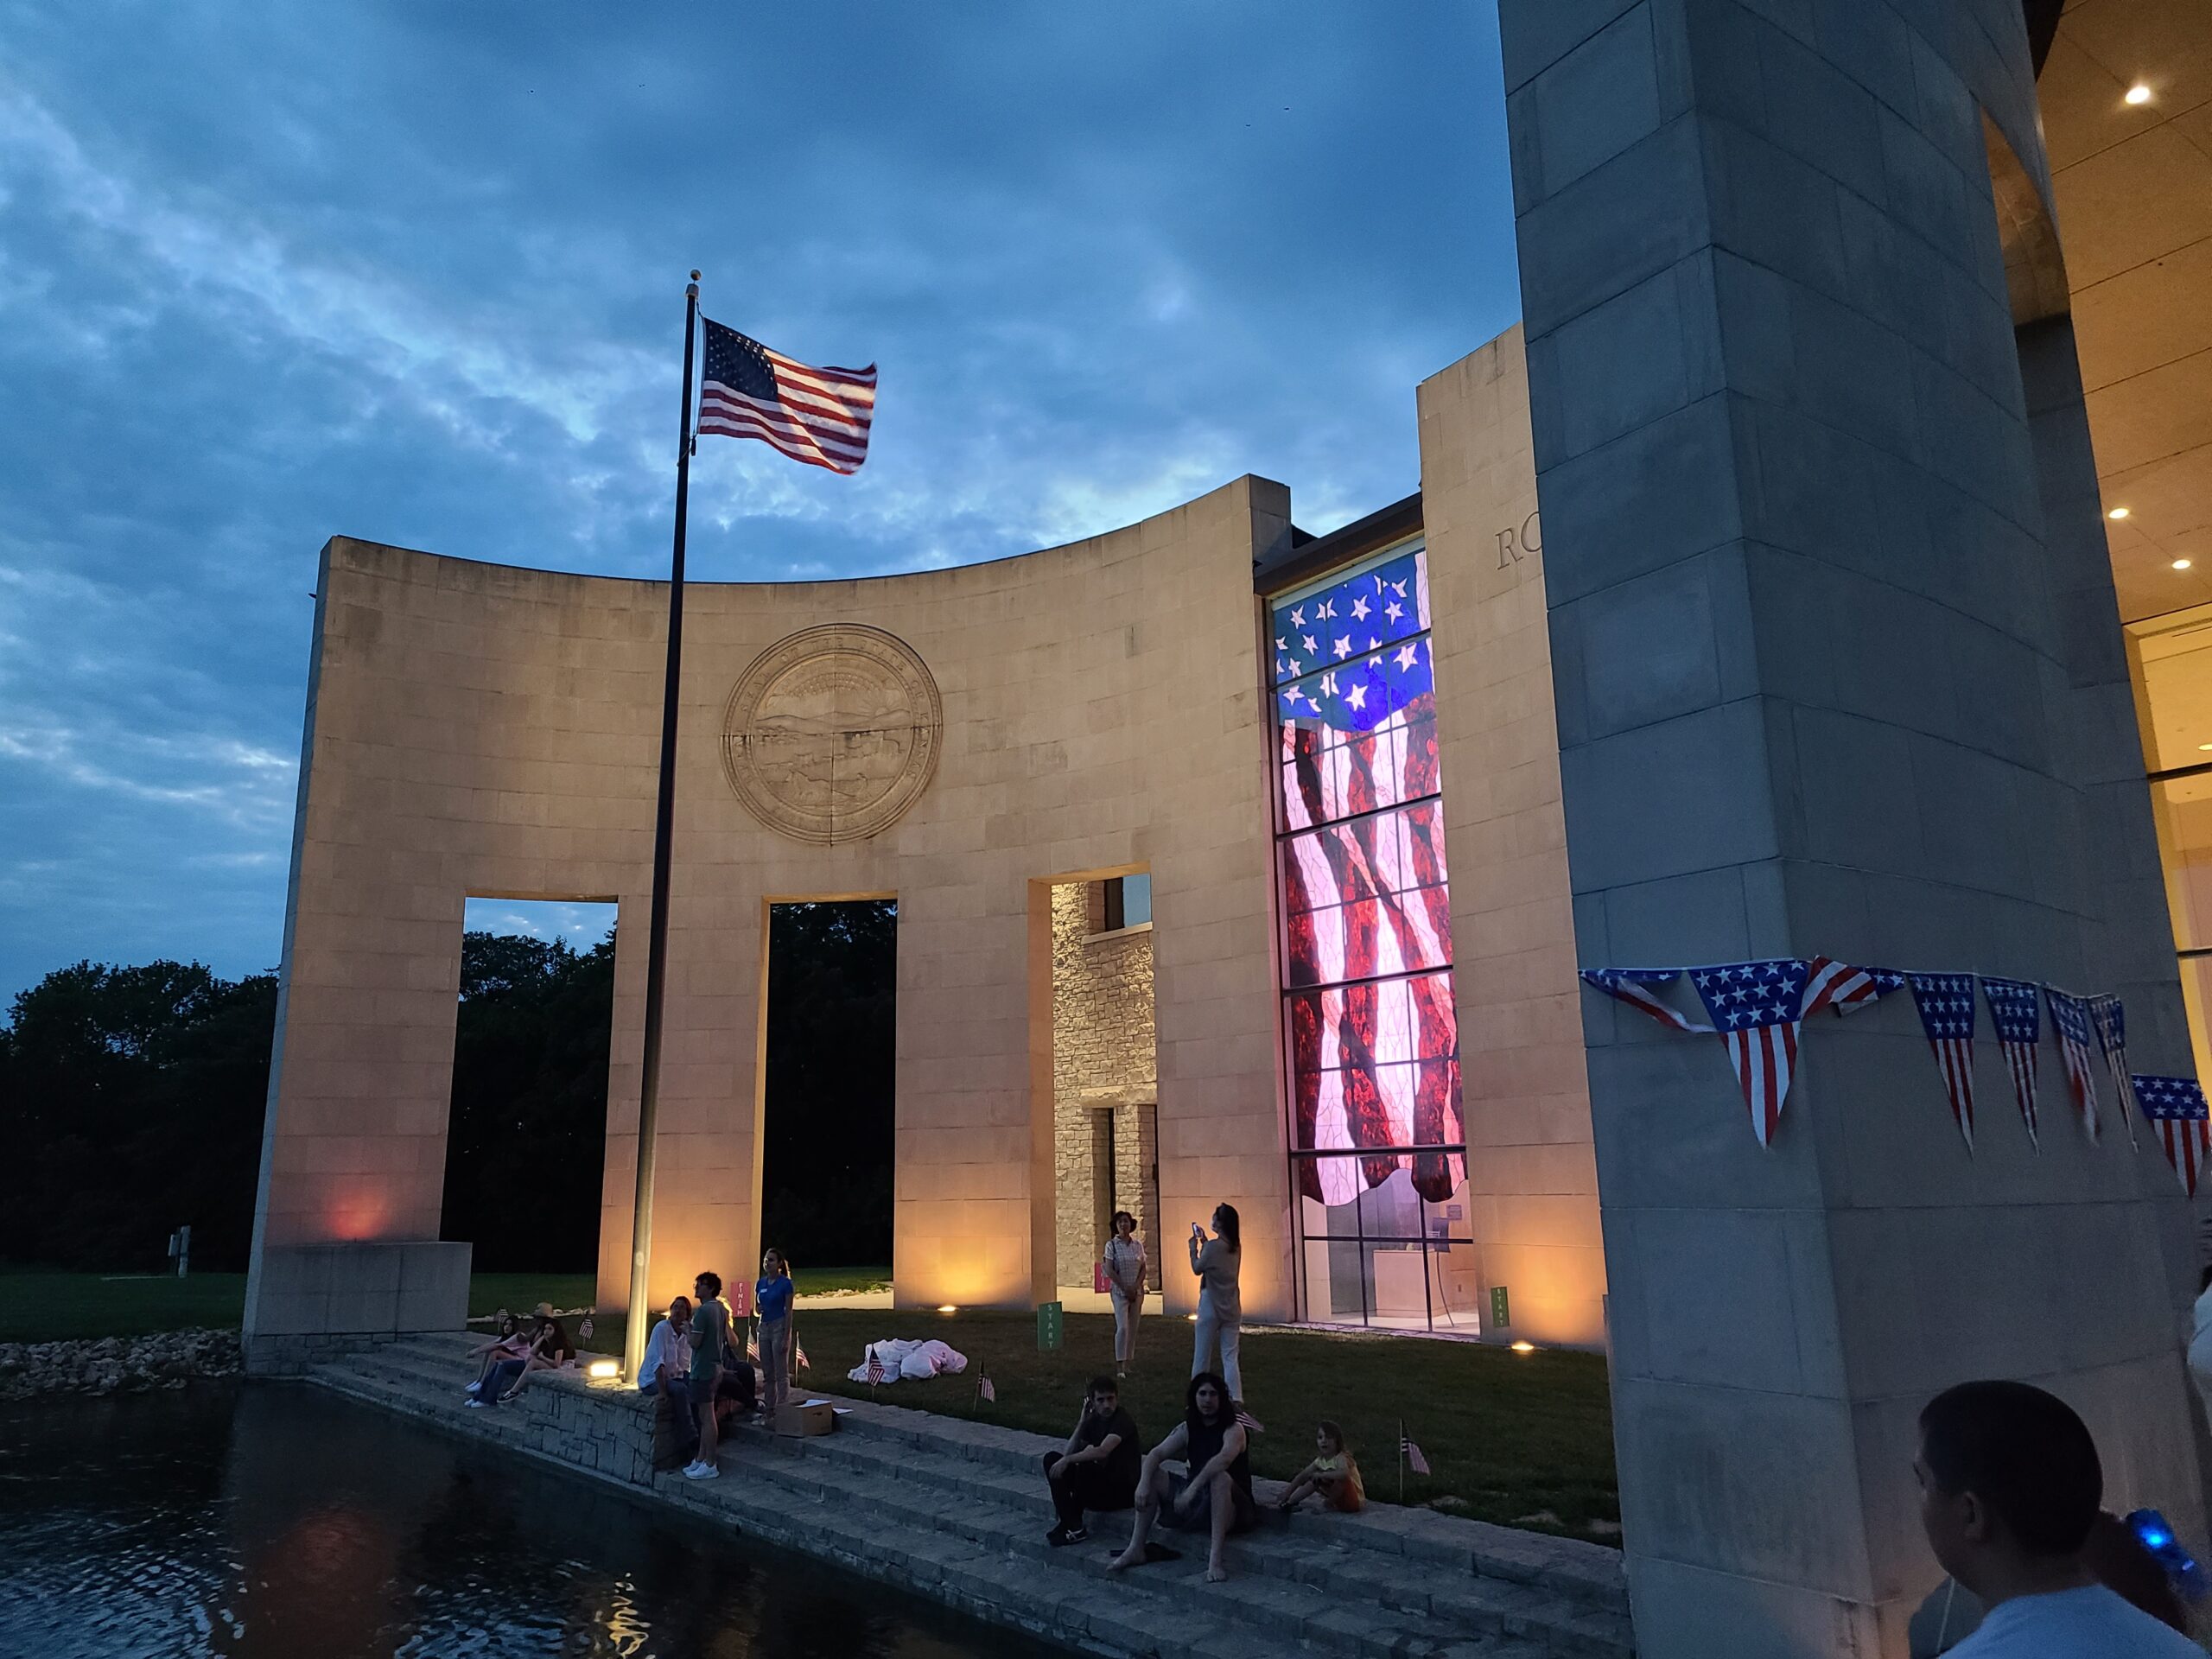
(275, 1521)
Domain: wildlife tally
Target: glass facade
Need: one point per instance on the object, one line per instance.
(2171, 657)
(1372, 1060)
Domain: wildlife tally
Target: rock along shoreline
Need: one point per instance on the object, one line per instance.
(100, 1366)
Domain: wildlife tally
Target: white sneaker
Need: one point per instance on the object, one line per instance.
(702, 1472)
(476, 1405)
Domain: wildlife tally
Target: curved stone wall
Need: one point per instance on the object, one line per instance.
(478, 730)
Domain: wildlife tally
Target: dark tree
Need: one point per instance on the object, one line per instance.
(526, 1142)
(832, 992)
(131, 1101)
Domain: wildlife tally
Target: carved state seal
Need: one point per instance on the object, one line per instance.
(833, 733)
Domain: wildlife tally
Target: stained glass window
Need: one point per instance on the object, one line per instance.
(1369, 1025)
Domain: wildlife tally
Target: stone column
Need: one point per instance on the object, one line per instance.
(1812, 696)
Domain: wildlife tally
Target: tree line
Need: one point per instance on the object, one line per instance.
(131, 1101)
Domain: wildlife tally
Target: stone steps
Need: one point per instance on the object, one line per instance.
(959, 1510)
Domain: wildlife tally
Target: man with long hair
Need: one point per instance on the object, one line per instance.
(1214, 1498)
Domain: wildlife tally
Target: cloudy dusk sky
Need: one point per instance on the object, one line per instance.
(413, 273)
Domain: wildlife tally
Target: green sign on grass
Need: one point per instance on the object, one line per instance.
(1500, 1315)
(1048, 1326)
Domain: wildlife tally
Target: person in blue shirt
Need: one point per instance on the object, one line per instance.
(2010, 1489)
(772, 1299)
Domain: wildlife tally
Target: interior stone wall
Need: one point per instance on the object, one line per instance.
(1103, 1065)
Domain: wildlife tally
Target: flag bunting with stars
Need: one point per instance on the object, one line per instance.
(1757, 1008)
(1946, 1005)
(2177, 1105)
(2110, 1020)
(2017, 1013)
(2070, 1017)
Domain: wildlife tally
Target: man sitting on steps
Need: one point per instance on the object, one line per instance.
(1097, 1468)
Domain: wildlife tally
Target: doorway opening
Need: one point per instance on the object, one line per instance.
(829, 1092)
(526, 1127)
(1105, 1087)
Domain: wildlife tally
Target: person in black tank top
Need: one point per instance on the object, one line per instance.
(1215, 1497)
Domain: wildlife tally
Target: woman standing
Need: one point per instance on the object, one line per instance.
(1220, 1309)
(772, 1296)
(1125, 1278)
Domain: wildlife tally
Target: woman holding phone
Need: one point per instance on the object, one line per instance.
(1220, 1309)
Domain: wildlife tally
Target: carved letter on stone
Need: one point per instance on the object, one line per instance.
(833, 733)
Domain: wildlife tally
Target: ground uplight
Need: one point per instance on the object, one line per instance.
(947, 1307)
(1524, 1347)
(603, 1370)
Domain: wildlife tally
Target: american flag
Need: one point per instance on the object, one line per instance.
(1756, 1007)
(2176, 1106)
(2070, 1014)
(820, 416)
(1630, 985)
(1846, 989)
(874, 1368)
(1946, 1005)
(984, 1392)
(2110, 1020)
(1411, 1453)
(2017, 1017)
(1371, 1022)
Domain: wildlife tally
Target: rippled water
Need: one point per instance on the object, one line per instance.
(277, 1520)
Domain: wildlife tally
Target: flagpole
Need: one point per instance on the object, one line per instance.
(641, 1207)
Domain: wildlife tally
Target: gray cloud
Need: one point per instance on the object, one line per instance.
(272, 273)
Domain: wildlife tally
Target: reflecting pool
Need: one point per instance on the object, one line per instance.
(277, 1520)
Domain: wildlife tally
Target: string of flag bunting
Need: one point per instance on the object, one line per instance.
(1757, 1008)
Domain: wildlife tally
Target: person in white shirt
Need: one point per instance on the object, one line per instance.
(665, 1346)
(1126, 1271)
(2010, 1485)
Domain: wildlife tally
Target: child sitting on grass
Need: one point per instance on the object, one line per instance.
(1333, 1474)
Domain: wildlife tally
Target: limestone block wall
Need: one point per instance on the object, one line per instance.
(1532, 1174)
(1815, 692)
(1102, 1068)
(478, 729)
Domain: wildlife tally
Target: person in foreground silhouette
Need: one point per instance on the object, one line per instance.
(1215, 1497)
(2010, 1488)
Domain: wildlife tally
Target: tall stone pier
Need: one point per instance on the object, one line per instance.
(1829, 680)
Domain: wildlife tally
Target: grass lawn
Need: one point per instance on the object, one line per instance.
(54, 1307)
(41, 1307)
(1523, 1440)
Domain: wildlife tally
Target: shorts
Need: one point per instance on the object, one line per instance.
(1199, 1516)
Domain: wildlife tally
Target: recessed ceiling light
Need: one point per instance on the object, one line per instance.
(2181, 564)
(2204, 749)
(2117, 513)
(2138, 93)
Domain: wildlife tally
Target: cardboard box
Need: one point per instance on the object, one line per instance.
(802, 1419)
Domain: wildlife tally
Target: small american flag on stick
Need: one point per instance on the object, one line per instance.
(1946, 1005)
(2018, 1016)
(820, 416)
(874, 1368)
(985, 1394)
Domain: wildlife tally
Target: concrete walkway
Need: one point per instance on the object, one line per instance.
(958, 1511)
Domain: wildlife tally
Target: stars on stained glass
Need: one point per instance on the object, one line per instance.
(1343, 647)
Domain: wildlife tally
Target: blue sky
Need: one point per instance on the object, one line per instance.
(413, 273)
